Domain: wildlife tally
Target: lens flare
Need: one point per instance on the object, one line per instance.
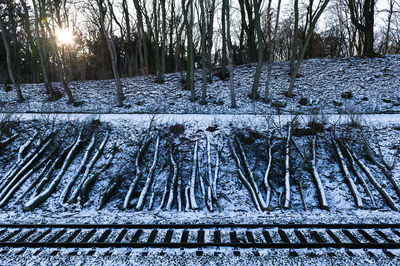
(65, 36)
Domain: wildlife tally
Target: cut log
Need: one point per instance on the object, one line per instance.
(174, 180)
(81, 168)
(323, 203)
(138, 172)
(267, 174)
(347, 176)
(149, 178)
(210, 183)
(250, 176)
(95, 158)
(187, 198)
(286, 203)
(192, 184)
(179, 193)
(357, 173)
(54, 166)
(87, 180)
(388, 175)
(91, 178)
(373, 181)
(12, 190)
(23, 160)
(243, 178)
(214, 190)
(31, 204)
(25, 168)
(36, 181)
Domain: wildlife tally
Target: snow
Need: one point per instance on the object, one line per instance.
(372, 120)
(321, 81)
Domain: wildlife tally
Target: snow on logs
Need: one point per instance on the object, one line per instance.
(35, 201)
(373, 181)
(346, 173)
(138, 171)
(149, 178)
(323, 203)
(371, 156)
(286, 203)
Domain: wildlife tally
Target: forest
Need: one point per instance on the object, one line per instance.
(70, 40)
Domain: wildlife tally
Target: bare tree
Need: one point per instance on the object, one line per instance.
(271, 53)
(104, 9)
(365, 24)
(20, 98)
(318, 12)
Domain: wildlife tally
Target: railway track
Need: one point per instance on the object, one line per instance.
(200, 237)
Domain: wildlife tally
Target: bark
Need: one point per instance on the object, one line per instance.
(81, 168)
(243, 178)
(26, 167)
(357, 173)
(271, 52)
(373, 181)
(286, 203)
(267, 175)
(36, 181)
(187, 199)
(256, 81)
(174, 180)
(143, 50)
(138, 172)
(82, 187)
(388, 175)
(193, 203)
(13, 189)
(223, 25)
(149, 179)
(113, 54)
(347, 176)
(230, 62)
(43, 60)
(300, 58)
(179, 194)
(365, 24)
(10, 64)
(24, 162)
(203, 53)
(250, 176)
(323, 203)
(34, 202)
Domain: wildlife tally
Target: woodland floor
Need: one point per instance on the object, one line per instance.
(374, 84)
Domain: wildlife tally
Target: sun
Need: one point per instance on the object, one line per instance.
(65, 36)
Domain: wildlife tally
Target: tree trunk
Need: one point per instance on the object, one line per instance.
(267, 97)
(20, 98)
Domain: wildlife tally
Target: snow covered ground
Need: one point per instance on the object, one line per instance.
(373, 83)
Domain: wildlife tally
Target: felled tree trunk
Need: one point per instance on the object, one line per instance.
(34, 202)
(82, 166)
(149, 179)
(385, 171)
(347, 176)
(174, 179)
(138, 172)
(243, 178)
(192, 184)
(267, 175)
(374, 182)
(286, 203)
(323, 203)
